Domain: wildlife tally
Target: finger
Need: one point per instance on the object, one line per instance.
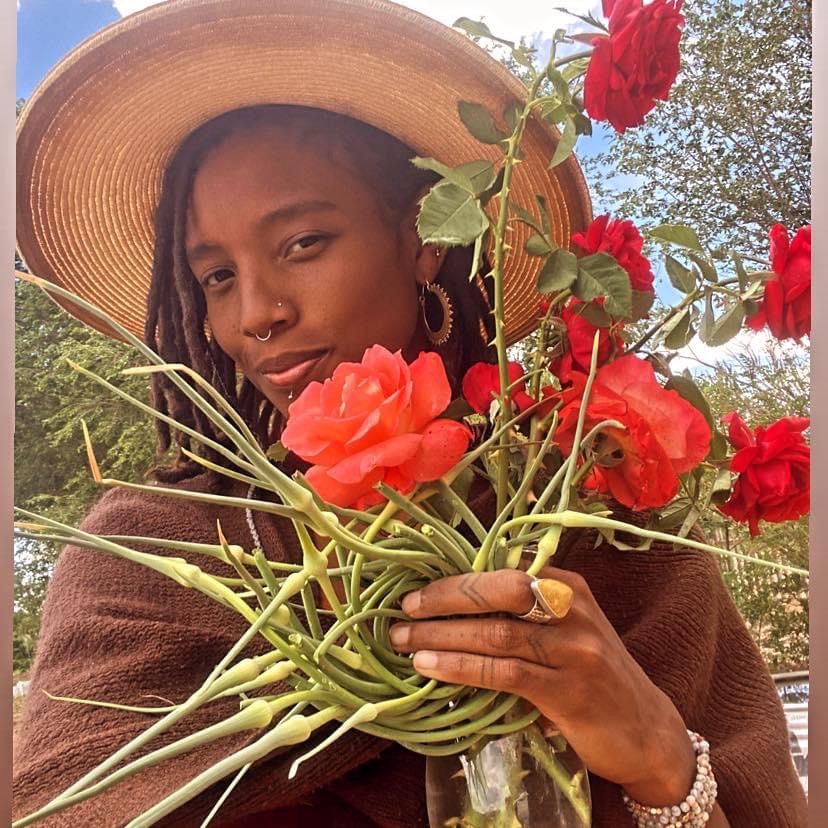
(509, 675)
(475, 593)
(499, 637)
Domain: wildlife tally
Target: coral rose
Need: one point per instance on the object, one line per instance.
(580, 334)
(663, 436)
(773, 464)
(786, 305)
(636, 64)
(375, 421)
(621, 239)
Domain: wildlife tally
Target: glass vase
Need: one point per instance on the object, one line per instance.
(521, 780)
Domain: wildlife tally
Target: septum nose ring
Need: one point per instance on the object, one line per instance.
(270, 327)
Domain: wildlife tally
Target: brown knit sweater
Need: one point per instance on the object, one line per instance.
(116, 631)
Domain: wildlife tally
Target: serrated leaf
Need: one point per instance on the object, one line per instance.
(480, 173)
(450, 173)
(681, 277)
(583, 125)
(678, 234)
(642, 302)
(708, 320)
(493, 189)
(678, 331)
(575, 68)
(527, 218)
(601, 275)
(480, 123)
(728, 324)
(537, 245)
(559, 271)
(707, 268)
(688, 390)
(566, 144)
(450, 215)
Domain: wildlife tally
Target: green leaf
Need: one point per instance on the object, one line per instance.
(707, 267)
(527, 218)
(718, 446)
(594, 314)
(678, 234)
(450, 173)
(574, 69)
(493, 189)
(741, 273)
(277, 452)
(642, 303)
(480, 173)
(583, 125)
(477, 28)
(673, 514)
(457, 409)
(565, 146)
(559, 271)
(536, 245)
(544, 214)
(688, 390)
(721, 486)
(678, 331)
(681, 277)
(708, 320)
(728, 324)
(480, 123)
(450, 215)
(511, 114)
(601, 275)
(559, 83)
(522, 55)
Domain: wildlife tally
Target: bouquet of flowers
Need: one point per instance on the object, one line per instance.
(384, 506)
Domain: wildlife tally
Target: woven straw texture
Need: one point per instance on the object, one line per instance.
(95, 137)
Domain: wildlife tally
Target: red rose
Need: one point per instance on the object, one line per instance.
(663, 436)
(786, 305)
(580, 334)
(773, 464)
(623, 242)
(636, 64)
(375, 421)
(482, 384)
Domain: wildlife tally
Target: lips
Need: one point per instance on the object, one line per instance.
(289, 370)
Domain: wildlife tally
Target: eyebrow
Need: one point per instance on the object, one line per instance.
(288, 211)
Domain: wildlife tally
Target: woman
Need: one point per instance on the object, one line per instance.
(284, 244)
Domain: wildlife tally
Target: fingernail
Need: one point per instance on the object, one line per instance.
(411, 602)
(399, 635)
(425, 660)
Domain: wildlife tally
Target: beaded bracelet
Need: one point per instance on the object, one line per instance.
(695, 810)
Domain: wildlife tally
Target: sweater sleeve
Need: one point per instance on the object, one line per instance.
(675, 616)
(116, 631)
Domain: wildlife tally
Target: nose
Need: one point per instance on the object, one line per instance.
(264, 309)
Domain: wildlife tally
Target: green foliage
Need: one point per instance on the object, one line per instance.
(729, 153)
(51, 472)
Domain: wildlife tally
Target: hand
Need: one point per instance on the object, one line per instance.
(578, 674)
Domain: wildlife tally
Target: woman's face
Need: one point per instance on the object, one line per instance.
(282, 239)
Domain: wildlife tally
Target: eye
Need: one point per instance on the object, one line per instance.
(214, 277)
(306, 243)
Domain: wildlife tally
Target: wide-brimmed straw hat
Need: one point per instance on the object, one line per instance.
(95, 137)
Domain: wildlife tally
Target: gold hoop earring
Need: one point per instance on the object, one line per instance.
(439, 334)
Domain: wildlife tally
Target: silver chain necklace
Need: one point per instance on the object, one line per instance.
(251, 524)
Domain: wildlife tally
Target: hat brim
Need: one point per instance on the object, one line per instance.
(95, 137)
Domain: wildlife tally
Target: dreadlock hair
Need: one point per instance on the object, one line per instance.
(176, 325)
